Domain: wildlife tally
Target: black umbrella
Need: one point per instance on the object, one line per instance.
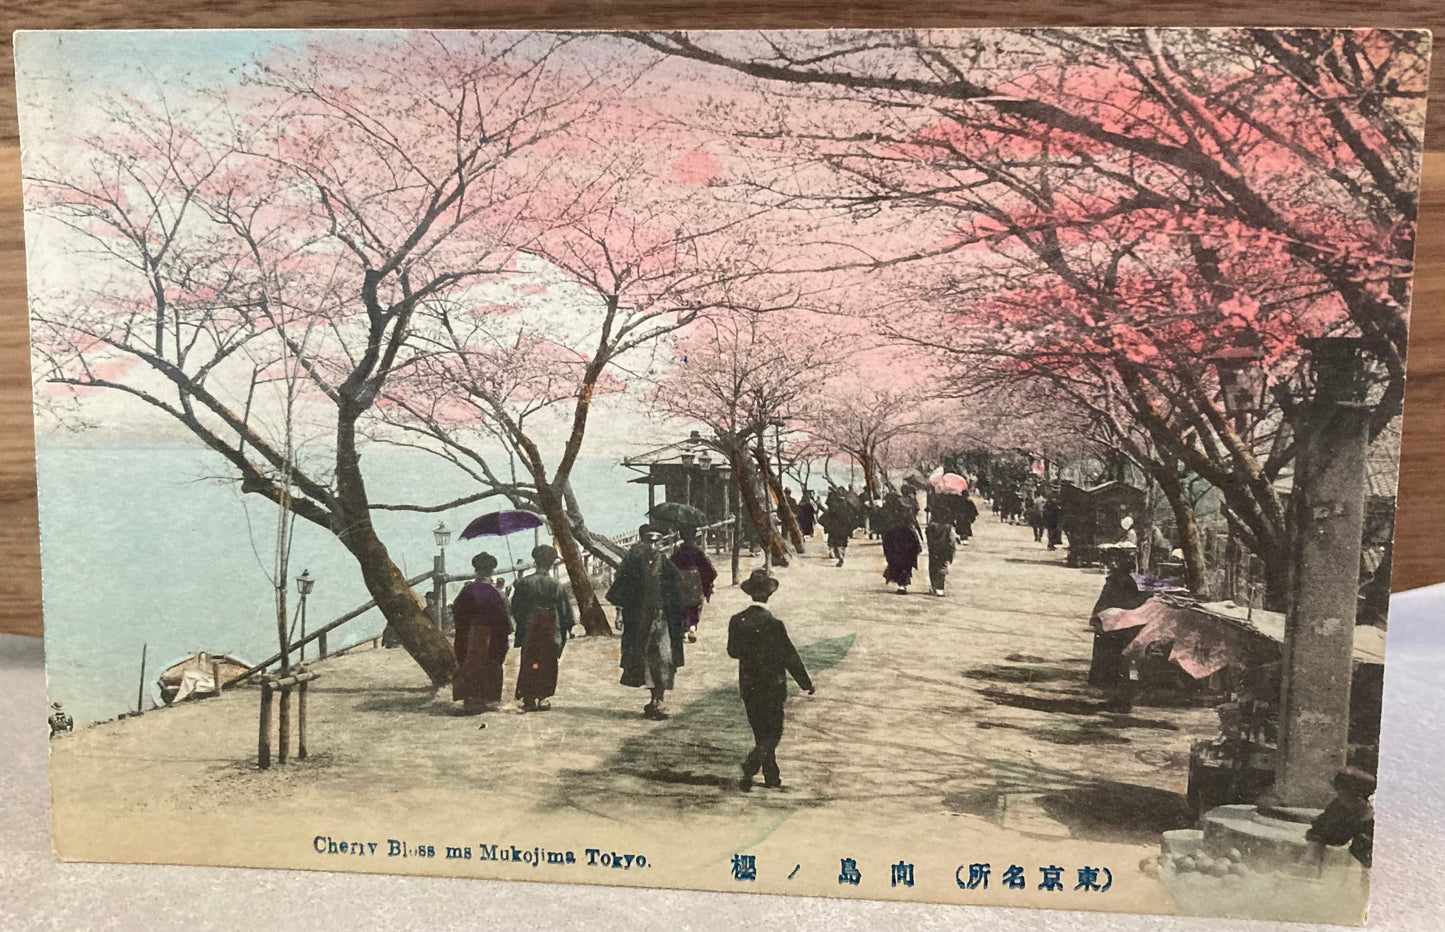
(677, 514)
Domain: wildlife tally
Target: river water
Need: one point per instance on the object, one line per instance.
(141, 549)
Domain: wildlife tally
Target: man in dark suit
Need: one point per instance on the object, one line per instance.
(765, 656)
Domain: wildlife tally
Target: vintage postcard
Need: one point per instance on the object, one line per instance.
(939, 465)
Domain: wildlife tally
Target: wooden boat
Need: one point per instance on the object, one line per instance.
(198, 674)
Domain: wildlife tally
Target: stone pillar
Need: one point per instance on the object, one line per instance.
(1329, 488)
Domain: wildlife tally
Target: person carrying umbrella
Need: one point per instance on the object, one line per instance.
(544, 619)
(698, 576)
(648, 592)
(942, 547)
(482, 627)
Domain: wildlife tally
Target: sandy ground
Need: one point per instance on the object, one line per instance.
(945, 732)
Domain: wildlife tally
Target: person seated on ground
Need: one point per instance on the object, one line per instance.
(60, 720)
(1349, 819)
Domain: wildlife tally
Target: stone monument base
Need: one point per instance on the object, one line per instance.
(1253, 863)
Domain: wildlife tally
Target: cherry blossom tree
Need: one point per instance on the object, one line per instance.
(1128, 204)
(335, 193)
(739, 374)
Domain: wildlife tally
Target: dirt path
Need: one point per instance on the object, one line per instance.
(961, 721)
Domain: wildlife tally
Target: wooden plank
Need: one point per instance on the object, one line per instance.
(263, 737)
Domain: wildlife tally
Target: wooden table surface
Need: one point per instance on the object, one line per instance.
(1420, 528)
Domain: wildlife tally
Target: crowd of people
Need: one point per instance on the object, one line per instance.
(660, 597)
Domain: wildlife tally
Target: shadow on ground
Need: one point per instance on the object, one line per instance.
(1007, 673)
(1092, 810)
(700, 746)
(404, 699)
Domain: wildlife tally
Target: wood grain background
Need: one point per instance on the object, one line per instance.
(1419, 559)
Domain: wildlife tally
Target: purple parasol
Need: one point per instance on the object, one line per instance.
(502, 523)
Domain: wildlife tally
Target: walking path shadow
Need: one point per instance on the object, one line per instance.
(689, 763)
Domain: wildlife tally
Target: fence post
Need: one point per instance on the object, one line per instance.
(216, 676)
(263, 741)
(321, 642)
(301, 722)
(283, 742)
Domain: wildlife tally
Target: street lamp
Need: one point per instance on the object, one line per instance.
(443, 536)
(1241, 381)
(304, 584)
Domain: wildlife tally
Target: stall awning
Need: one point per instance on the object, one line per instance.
(1204, 638)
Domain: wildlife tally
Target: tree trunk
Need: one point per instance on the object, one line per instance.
(589, 609)
(870, 477)
(1188, 526)
(384, 580)
(785, 513)
(743, 472)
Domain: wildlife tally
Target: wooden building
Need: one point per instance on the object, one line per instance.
(689, 472)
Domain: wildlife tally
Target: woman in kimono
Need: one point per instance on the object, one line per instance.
(482, 627)
(698, 577)
(544, 619)
(901, 545)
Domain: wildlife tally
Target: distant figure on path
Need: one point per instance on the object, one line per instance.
(807, 512)
(544, 619)
(698, 576)
(1053, 517)
(1036, 518)
(942, 547)
(482, 627)
(901, 546)
(838, 525)
(759, 642)
(648, 592)
(967, 513)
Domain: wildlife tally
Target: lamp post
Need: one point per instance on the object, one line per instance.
(704, 466)
(304, 584)
(443, 536)
(687, 459)
(1241, 382)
